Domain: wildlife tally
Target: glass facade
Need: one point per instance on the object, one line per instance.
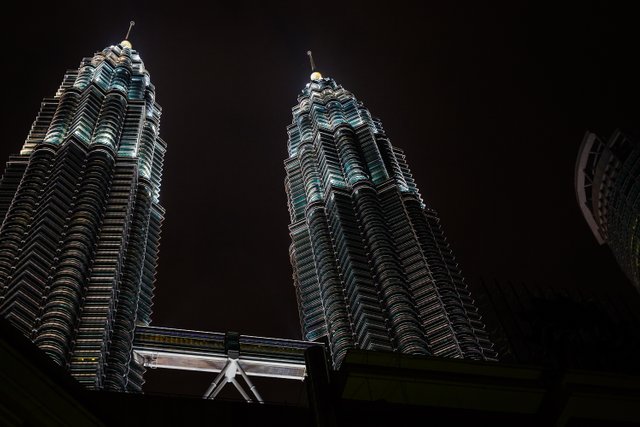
(608, 192)
(81, 220)
(371, 266)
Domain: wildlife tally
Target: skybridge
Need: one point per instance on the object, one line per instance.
(230, 355)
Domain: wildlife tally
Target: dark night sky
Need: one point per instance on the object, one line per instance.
(490, 105)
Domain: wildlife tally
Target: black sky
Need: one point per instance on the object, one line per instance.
(490, 104)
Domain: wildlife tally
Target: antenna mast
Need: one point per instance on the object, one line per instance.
(313, 64)
(131, 24)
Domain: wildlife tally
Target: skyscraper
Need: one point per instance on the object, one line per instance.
(81, 220)
(371, 266)
(607, 180)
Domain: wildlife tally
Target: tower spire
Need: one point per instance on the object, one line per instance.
(131, 24)
(126, 42)
(313, 65)
(315, 75)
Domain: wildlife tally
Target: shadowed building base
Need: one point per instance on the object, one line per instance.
(371, 388)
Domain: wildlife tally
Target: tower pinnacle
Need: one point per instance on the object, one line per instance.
(315, 75)
(126, 42)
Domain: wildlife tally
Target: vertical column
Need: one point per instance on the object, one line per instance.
(75, 257)
(125, 321)
(404, 321)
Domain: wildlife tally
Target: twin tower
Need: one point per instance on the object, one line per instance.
(81, 221)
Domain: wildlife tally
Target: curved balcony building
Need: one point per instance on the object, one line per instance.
(371, 266)
(607, 180)
(81, 220)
